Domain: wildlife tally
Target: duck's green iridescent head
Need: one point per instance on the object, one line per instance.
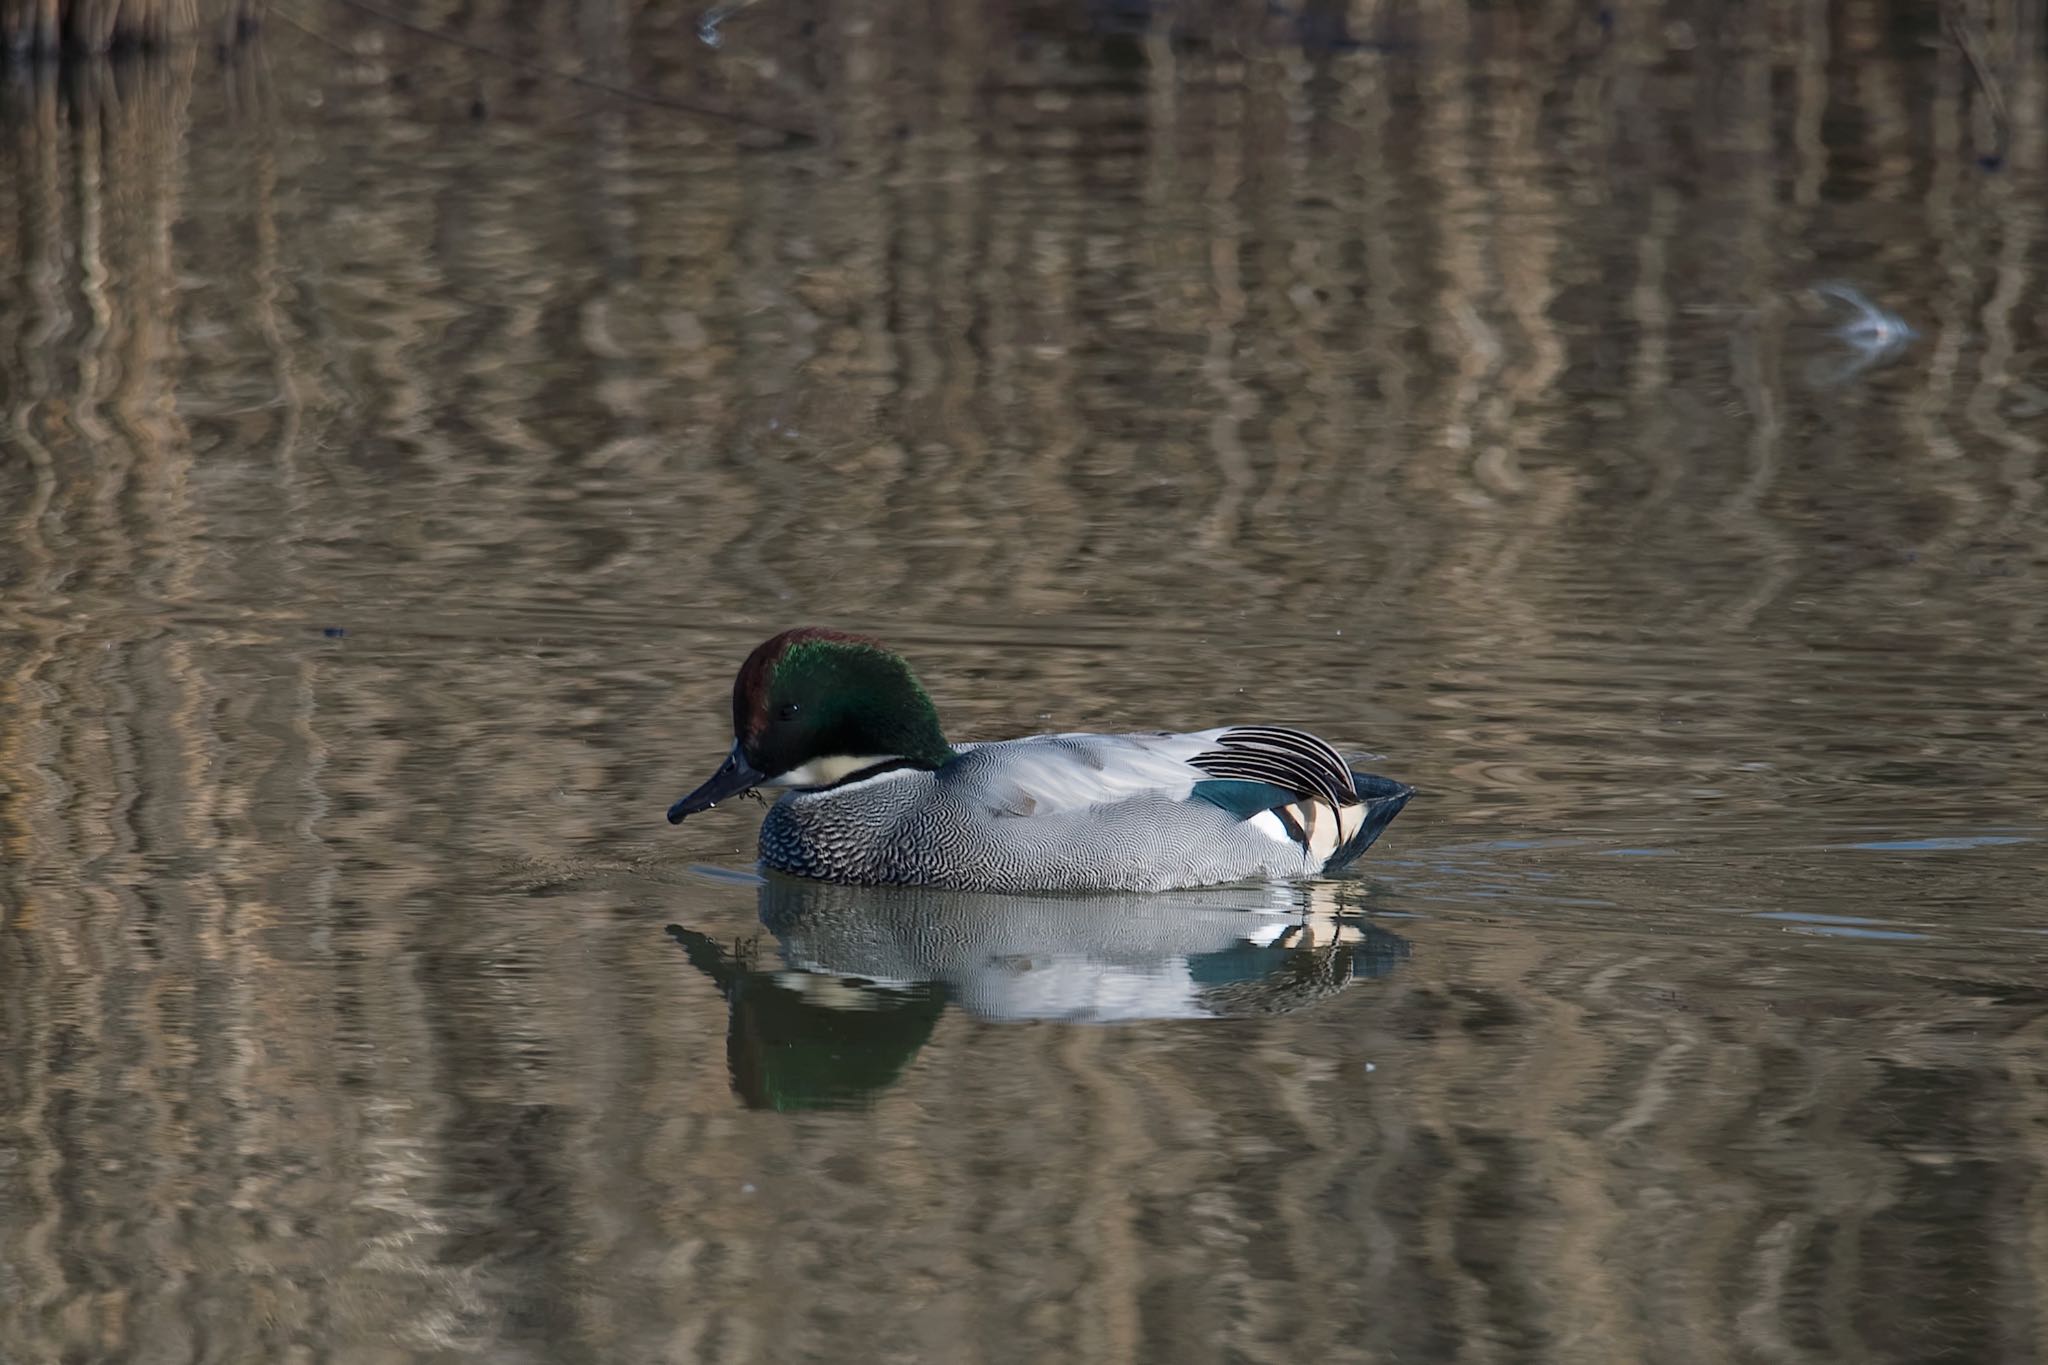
(813, 707)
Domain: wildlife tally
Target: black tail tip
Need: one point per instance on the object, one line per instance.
(1373, 787)
(1382, 798)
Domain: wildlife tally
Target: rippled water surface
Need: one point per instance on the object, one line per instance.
(1624, 423)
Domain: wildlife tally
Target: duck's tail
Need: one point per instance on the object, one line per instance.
(1331, 810)
(1379, 800)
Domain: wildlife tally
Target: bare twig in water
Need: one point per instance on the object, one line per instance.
(1965, 36)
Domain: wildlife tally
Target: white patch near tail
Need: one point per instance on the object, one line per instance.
(1268, 824)
(1319, 822)
(1314, 826)
(1350, 820)
(1326, 828)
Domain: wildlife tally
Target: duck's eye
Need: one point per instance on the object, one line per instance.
(786, 711)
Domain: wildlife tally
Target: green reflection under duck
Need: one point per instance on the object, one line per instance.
(864, 973)
(876, 794)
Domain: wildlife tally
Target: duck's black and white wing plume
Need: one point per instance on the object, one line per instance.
(1292, 760)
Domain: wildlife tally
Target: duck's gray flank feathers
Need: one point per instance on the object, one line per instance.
(1049, 774)
(1072, 812)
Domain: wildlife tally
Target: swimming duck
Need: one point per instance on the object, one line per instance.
(874, 793)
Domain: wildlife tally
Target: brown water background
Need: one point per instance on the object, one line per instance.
(400, 448)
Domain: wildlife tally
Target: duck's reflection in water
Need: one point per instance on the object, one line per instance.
(862, 973)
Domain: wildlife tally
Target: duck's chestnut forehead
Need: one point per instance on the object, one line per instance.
(756, 678)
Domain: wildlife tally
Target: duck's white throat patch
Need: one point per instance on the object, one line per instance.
(824, 772)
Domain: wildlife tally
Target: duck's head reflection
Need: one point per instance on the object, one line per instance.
(864, 972)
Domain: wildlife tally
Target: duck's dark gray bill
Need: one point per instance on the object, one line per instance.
(733, 777)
